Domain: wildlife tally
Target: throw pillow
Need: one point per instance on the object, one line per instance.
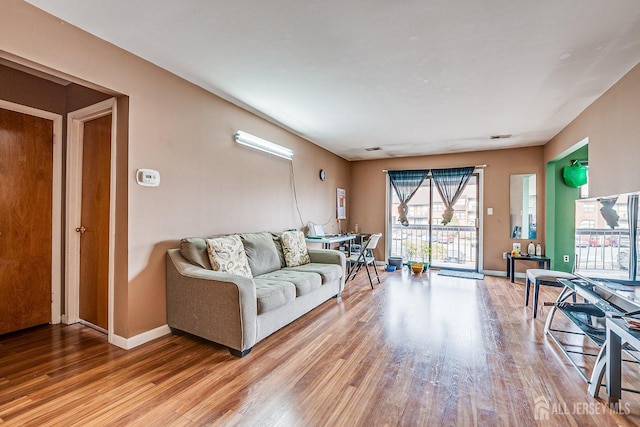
(227, 255)
(295, 248)
(194, 249)
(261, 252)
(277, 240)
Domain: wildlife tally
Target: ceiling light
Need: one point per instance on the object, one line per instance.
(253, 141)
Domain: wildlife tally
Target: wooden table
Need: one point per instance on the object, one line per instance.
(543, 262)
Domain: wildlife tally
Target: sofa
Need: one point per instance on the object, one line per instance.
(238, 289)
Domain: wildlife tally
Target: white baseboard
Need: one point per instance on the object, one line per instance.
(129, 343)
(495, 273)
(503, 274)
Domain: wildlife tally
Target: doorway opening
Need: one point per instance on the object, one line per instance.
(425, 239)
(65, 99)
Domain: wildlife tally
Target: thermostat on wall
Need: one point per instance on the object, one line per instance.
(148, 177)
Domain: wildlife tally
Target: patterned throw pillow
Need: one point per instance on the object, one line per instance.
(227, 255)
(295, 248)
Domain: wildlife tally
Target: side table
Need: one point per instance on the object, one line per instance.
(543, 262)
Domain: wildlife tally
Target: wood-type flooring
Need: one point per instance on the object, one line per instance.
(422, 350)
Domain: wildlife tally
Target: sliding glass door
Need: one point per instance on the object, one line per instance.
(452, 246)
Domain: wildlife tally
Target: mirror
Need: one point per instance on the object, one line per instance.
(522, 206)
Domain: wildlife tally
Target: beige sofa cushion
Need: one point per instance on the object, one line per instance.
(328, 272)
(261, 252)
(295, 248)
(227, 255)
(304, 282)
(272, 294)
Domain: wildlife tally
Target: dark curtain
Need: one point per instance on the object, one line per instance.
(406, 183)
(450, 184)
(632, 210)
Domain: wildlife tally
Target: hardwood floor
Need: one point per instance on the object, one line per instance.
(415, 351)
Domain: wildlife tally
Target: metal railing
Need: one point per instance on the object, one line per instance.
(452, 246)
(602, 249)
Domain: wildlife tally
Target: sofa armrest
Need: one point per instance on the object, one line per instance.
(330, 256)
(327, 256)
(216, 306)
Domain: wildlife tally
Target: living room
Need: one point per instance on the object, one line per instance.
(210, 185)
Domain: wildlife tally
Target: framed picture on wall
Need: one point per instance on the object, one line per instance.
(341, 204)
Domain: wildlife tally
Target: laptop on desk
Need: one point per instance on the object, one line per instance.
(318, 233)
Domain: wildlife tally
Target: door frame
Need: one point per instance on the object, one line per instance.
(56, 208)
(75, 127)
(480, 220)
(479, 171)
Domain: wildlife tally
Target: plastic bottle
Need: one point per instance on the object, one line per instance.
(531, 249)
(538, 249)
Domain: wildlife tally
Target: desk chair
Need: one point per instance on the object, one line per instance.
(366, 258)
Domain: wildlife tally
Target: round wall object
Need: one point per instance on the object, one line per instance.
(323, 175)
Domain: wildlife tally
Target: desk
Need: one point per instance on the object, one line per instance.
(328, 241)
(617, 335)
(543, 262)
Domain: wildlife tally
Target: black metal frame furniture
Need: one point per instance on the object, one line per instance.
(619, 338)
(540, 276)
(598, 294)
(366, 258)
(543, 262)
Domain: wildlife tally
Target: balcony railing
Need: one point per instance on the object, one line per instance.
(451, 246)
(602, 250)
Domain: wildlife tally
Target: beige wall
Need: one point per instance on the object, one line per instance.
(613, 127)
(209, 183)
(368, 184)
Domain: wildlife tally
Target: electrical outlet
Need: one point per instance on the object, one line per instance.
(504, 255)
(565, 258)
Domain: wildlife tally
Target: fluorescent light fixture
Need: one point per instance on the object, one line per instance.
(253, 141)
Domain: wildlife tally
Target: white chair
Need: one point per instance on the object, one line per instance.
(539, 276)
(366, 258)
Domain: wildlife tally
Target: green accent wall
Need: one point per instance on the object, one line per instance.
(560, 212)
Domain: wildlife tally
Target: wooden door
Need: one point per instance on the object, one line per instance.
(94, 229)
(26, 184)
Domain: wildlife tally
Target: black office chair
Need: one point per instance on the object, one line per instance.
(366, 258)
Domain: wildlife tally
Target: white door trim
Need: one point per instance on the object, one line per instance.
(56, 208)
(480, 217)
(75, 126)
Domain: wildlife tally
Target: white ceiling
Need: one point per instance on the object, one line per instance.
(409, 76)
